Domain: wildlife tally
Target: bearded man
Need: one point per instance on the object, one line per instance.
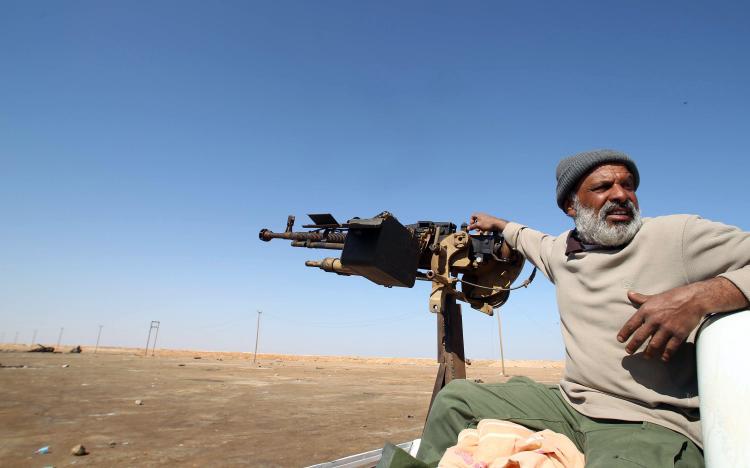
(621, 282)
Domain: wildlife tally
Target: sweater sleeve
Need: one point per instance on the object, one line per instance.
(535, 246)
(714, 249)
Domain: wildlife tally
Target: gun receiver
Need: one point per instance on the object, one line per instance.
(478, 269)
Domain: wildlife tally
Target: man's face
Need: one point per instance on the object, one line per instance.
(605, 208)
(607, 183)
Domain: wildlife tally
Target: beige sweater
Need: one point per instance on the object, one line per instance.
(601, 380)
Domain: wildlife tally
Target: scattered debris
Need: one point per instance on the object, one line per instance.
(478, 380)
(112, 443)
(139, 402)
(79, 450)
(76, 350)
(19, 366)
(197, 357)
(66, 365)
(43, 450)
(181, 365)
(42, 349)
(409, 416)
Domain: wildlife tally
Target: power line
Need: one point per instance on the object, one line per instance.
(360, 323)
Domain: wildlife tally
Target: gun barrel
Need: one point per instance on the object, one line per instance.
(332, 265)
(318, 245)
(315, 236)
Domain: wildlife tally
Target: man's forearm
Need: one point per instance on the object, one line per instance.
(718, 295)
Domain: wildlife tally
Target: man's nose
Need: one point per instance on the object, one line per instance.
(618, 194)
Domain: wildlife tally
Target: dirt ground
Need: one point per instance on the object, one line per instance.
(214, 409)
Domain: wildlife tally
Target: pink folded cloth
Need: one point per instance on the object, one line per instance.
(503, 444)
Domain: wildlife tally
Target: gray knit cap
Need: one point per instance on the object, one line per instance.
(570, 170)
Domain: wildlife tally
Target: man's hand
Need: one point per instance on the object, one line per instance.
(485, 222)
(669, 318)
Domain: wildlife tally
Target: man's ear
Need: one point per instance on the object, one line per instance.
(569, 210)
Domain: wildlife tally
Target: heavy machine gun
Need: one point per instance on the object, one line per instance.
(478, 269)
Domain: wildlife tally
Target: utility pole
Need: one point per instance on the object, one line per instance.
(15, 340)
(33, 339)
(154, 326)
(156, 335)
(500, 336)
(59, 337)
(257, 334)
(97, 338)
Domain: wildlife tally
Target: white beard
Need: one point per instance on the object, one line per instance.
(593, 229)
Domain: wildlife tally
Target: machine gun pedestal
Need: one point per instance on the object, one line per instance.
(450, 345)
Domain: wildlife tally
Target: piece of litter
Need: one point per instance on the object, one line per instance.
(66, 365)
(138, 402)
(79, 450)
(112, 443)
(43, 450)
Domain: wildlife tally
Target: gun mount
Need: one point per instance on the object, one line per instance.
(478, 269)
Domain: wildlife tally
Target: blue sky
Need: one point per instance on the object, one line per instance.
(143, 145)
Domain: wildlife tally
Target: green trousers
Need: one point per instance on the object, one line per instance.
(605, 443)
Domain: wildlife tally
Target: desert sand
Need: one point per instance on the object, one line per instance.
(215, 409)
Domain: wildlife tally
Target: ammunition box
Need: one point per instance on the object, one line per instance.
(382, 250)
